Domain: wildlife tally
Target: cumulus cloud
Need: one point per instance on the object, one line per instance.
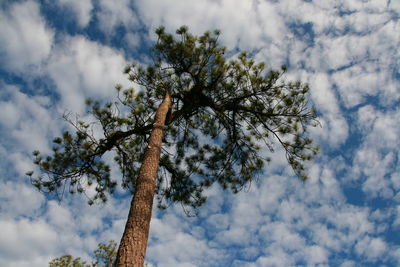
(245, 24)
(334, 126)
(19, 199)
(80, 9)
(29, 121)
(377, 157)
(81, 68)
(19, 110)
(25, 121)
(25, 235)
(275, 236)
(116, 14)
(181, 245)
(25, 39)
(371, 248)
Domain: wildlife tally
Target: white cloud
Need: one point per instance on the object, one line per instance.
(324, 15)
(334, 128)
(19, 199)
(358, 82)
(24, 37)
(394, 5)
(245, 24)
(81, 10)
(113, 14)
(366, 117)
(81, 68)
(271, 194)
(376, 168)
(377, 156)
(385, 131)
(275, 257)
(316, 254)
(218, 221)
(283, 236)
(183, 247)
(9, 114)
(320, 16)
(21, 111)
(133, 40)
(59, 216)
(56, 233)
(371, 248)
(274, 237)
(34, 124)
(329, 238)
(369, 6)
(20, 236)
(374, 75)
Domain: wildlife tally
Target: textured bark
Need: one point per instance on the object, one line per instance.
(132, 249)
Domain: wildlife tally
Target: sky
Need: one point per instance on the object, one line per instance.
(56, 53)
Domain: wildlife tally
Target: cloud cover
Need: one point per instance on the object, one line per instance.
(345, 215)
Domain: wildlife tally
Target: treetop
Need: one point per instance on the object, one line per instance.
(225, 111)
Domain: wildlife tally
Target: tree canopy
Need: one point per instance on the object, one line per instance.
(104, 257)
(225, 109)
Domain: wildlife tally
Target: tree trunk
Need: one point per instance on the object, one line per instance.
(132, 248)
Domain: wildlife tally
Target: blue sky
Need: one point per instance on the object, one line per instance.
(55, 54)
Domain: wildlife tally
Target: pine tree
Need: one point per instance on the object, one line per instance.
(68, 261)
(198, 117)
(105, 255)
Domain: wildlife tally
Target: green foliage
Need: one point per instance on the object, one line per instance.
(68, 261)
(225, 111)
(105, 255)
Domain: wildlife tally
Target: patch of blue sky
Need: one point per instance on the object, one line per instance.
(303, 32)
(62, 18)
